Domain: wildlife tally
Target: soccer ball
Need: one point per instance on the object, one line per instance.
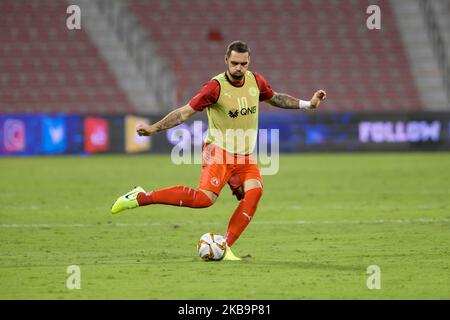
(211, 246)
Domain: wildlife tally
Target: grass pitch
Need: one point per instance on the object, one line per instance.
(322, 221)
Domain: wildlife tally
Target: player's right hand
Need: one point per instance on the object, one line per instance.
(143, 129)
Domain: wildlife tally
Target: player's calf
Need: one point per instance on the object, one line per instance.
(243, 214)
(176, 196)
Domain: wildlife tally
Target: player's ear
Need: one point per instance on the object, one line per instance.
(226, 60)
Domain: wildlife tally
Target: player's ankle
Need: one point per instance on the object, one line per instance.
(144, 199)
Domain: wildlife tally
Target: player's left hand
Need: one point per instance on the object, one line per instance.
(317, 98)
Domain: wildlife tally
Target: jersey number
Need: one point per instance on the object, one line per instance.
(242, 103)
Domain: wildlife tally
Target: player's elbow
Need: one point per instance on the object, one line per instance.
(187, 112)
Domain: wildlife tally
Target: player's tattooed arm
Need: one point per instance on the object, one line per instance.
(282, 100)
(173, 119)
(285, 101)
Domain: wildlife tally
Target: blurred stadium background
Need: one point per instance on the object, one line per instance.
(73, 91)
(324, 218)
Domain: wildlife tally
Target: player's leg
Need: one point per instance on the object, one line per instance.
(180, 196)
(245, 210)
(249, 199)
(212, 180)
(176, 196)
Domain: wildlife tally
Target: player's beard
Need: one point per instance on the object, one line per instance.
(237, 77)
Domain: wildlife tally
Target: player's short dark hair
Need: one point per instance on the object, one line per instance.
(238, 46)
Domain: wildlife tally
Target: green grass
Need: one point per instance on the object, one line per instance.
(322, 221)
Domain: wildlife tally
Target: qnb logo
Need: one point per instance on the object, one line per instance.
(246, 111)
(243, 112)
(233, 113)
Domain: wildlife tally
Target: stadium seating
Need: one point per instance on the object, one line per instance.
(44, 67)
(299, 46)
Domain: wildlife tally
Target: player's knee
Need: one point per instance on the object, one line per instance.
(208, 203)
(204, 200)
(255, 193)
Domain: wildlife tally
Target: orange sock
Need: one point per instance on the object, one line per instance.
(175, 196)
(242, 215)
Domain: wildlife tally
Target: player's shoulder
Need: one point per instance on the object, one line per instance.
(219, 77)
(260, 79)
(210, 90)
(211, 84)
(257, 75)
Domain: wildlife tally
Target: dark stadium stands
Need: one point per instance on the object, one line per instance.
(299, 46)
(44, 67)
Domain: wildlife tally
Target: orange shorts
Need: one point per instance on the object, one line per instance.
(220, 167)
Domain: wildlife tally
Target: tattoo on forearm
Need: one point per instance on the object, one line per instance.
(171, 120)
(285, 101)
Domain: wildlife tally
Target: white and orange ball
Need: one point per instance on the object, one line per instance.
(211, 247)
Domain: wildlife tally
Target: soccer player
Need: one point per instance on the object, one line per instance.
(231, 100)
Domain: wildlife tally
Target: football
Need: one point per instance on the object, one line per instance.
(211, 247)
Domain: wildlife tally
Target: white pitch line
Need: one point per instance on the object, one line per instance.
(286, 222)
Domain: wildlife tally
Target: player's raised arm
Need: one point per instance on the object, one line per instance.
(285, 101)
(173, 119)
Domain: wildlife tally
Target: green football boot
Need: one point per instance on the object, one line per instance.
(229, 256)
(127, 201)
